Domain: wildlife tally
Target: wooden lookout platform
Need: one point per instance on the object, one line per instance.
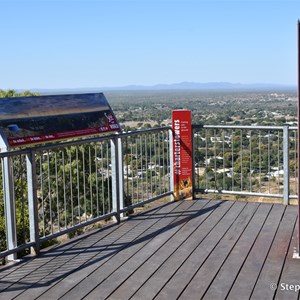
(197, 249)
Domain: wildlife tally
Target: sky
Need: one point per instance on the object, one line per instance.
(89, 43)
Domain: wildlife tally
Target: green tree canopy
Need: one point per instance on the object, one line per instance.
(13, 93)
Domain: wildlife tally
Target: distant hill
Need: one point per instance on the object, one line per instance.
(208, 86)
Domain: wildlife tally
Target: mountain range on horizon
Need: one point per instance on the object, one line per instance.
(208, 86)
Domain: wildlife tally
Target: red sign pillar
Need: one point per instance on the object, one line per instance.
(182, 153)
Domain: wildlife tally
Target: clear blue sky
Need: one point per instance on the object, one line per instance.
(82, 43)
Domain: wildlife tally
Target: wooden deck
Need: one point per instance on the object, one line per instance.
(196, 249)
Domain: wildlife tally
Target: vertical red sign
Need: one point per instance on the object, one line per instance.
(182, 153)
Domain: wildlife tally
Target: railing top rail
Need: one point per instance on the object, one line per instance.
(133, 133)
(14, 153)
(145, 131)
(250, 127)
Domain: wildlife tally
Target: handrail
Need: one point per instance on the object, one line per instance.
(60, 188)
(245, 160)
(257, 127)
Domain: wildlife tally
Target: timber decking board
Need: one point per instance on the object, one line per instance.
(211, 260)
(183, 264)
(103, 290)
(50, 257)
(220, 286)
(250, 271)
(154, 227)
(187, 238)
(194, 249)
(274, 263)
(200, 280)
(288, 280)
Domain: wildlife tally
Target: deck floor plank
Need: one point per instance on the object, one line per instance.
(217, 260)
(274, 263)
(187, 238)
(105, 288)
(48, 261)
(184, 263)
(289, 285)
(84, 263)
(250, 271)
(15, 282)
(212, 262)
(227, 274)
(47, 267)
(195, 249)
(138, 240)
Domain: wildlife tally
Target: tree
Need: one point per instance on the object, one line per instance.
(13, 93)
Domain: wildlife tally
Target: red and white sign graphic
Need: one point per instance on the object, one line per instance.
(182, 153)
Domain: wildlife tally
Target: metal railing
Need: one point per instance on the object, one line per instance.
(57, 189)
(246, 160)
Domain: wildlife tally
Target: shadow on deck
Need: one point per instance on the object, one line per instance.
(197, 249)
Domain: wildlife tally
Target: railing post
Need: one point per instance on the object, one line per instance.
(10, 214)
(121, 174)
(32, 202)
(117, 176)
(286, 167)
(171, 164)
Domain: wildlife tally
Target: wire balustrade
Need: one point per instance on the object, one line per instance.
(58, 189)
(65, 188)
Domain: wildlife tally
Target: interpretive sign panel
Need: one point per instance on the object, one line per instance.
(40, 119)
(182, 157)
